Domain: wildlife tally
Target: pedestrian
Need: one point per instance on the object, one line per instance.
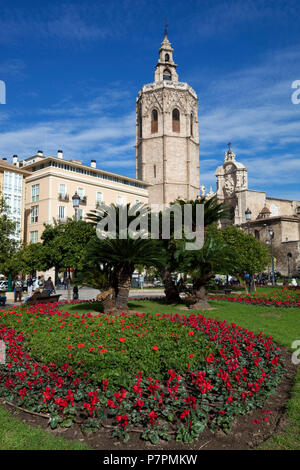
(75, 293)
(247, 281)
(49, 286)
(141, 281)
(18, 288)
(29, 286)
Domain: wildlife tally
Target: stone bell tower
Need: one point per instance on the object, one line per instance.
(167, 139)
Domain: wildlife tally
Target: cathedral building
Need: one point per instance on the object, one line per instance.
(167, 139)
(261, 215)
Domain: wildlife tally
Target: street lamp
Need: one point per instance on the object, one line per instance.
(289, 256)
(76, 200)
(270, 242)
(248, 218)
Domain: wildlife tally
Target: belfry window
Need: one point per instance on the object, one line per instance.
(167, 75)
(167, 58)
(154, 121)
(175, 120)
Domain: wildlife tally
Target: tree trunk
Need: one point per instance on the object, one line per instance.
(171, 290)
(200, 297)
(122, 289)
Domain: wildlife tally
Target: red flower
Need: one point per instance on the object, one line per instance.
(155, 348)
(152, 415)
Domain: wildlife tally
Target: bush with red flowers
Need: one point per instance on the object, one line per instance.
(226, 371)
(282, 297)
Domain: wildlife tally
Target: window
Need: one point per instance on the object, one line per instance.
(154, 121)
(256, 234)
(80, 192)
(35, 192)
(140, 125)
(61, 212)
(167, 75)
(192, 118)
(62, 190)
(34, 214)
(80, 214)
(154, 171)
(120, 201)
(99, 198)
(167, 58)
(34, 236)
(175, 120)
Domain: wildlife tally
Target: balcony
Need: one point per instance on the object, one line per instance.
(63, 197)
(83, 201)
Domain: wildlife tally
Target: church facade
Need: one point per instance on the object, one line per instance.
(167, 138)
(281, 216)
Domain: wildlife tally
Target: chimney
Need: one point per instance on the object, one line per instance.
(15, 160)
(60, 154)
(93, 163)
(40, 153)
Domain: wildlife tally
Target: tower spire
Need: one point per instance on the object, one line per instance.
(165, 67)
(166, 28)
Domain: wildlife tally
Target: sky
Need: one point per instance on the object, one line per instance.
(73, 70)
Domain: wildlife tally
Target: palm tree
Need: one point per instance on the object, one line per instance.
(213, 212)
(214, 257)
(119, 256)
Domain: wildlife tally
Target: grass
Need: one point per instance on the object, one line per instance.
(16, 435)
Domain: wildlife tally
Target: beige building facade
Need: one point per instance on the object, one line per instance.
(267, 213)
(53, 181)
(167, 139)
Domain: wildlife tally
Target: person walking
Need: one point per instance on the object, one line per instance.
(18, 288)
(49, 286)
(29, 286)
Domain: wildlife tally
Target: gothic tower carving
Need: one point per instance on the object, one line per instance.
(167, 139)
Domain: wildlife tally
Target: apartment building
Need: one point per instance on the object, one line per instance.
(52, 181)
(12, 187)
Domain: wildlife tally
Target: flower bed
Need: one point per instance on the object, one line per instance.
(284, 297)
(225, 370)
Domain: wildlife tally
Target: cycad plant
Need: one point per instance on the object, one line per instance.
(121, 251)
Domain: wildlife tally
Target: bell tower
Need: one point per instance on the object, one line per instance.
(167, 139)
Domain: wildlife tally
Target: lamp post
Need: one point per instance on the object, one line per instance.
(248, 218)
(76, 199)
(289, 256)
(270, 242)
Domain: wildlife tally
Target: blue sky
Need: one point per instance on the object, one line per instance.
(73, 70)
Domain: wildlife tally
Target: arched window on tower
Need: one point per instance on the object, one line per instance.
(167, 58)
(154, 121)
(167, 75)
(175, 120)
(192, 119)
